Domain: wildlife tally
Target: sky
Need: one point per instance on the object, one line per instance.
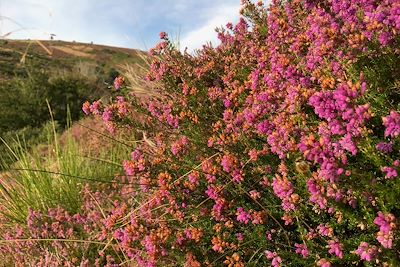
(123, 23)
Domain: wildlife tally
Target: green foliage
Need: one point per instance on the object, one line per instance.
(23, 101)
(23, 109)
(69, 92)
(31, 136)
(54, 174)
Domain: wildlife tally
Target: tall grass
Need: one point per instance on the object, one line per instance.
(53, 175)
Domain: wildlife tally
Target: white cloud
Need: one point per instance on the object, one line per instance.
(219, 16)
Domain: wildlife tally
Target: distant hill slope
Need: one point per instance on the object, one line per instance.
(90, 60)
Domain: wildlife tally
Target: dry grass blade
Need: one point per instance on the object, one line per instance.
(140, 87)
(44, 47)
(23, 57)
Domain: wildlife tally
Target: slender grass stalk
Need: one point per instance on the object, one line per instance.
(55, 178)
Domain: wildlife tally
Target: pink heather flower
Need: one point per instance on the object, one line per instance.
(301, 249)
(384, 38)
(324, 105)
(389, 172)
(366, 252)
(276, 260)
(386, 225)
(212, 192)
(121, 235)
(323, 263)
(86, 107)
(257, 217)
(227, 103)
(283, 189)
(217, 209)
(95, 108)
(239, 236)
(162, 45)
(149, 245)
(210, 178)
(386, 240)
(133, 167)
(384, 147)
(325, 230)
(228, 162)
(107, 114)
(175, 149)
(118, 82)
(180, 239)
(254, 194)
(268, 235)
(194, 178)
(227, 115)
(178, 146)
(122, 106)
(210, 142)
(163, 35)
(311, 234)
(287, 219)
(110, 126)
(237, 176)
(188, 233)
(242, 216)
(136, 155)
(392, 124)
(264, 128)
(217, 247)
(129, 167)
(249, 116)
(253, 154)
(335, 248)
(164, 252)
(171, 120)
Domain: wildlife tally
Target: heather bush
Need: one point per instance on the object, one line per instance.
(279, 147)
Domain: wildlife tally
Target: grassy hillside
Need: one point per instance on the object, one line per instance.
(59, 57)
(38, 75)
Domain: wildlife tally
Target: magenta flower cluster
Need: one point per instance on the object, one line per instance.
(387, 226)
